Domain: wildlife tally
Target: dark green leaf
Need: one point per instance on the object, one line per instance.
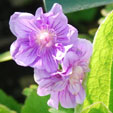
(9, 102)
(75, 5)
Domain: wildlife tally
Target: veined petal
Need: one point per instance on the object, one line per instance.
(61, 51)
(59, 23)
(69, 60)
(54, 100)
(40, 74)
(73, 34)
(57, 8)
(67, 100)
(22, 53)
(21, 24)
(49, 62)
(38, 12)
(43, 91)
(74, 88)
(59, 86)
(80, 96)
(83, 49)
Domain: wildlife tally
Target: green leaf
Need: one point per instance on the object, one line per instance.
(100, 78)
(61, 110)
(5, 56)
(75, 5)
(96, 108)
(9, 102)
(34, 103)
(28, 91)
(4, 109)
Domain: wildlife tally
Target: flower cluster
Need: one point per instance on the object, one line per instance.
(45, 42)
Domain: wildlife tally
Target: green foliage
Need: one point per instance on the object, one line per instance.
(105, 11)
(34, 103)
(5, 56)
(4, 109)
(75, 5)
(96, 108)
(61, 110)
(81, 16)
(9, 102)
(100, 78)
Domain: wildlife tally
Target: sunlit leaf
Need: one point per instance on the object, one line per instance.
(100, 78)
(4, 109)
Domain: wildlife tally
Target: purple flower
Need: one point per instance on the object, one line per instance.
(65, 86)
(43, 39)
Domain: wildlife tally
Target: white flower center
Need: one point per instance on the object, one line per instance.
(77, 74)
(45, 38)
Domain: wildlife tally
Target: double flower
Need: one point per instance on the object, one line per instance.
(46, 42)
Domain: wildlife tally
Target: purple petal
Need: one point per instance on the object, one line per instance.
(38, 12)
(74, 88)
(40, 74)
(53, 101)
(43, 91)
(49, 62)
(59, 86)
(22, 53)
(61, 51)
(83, 49)
(73, 34)
(67, 100)
(69, 60)
(57, 8)
(80, 97)
(21, 24)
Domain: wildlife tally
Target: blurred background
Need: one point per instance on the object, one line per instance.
(14, 78)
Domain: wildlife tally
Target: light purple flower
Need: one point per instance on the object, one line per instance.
(41, 39)
(65, 86)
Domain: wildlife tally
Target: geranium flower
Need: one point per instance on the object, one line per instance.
(65, 86)
(43, 39)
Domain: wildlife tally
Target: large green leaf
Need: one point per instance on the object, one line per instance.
(4, 109)
(75, 5)
(96, 108)
(100, 78)
(9, 102)
(34, 103)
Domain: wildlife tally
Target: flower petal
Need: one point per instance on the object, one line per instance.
(73, 34)
(60, 85)
(83, 49)
(49, 62)
(74, 88)
(69, 60)
(38, 12)
(21, 24)
(80, 96)
(22, 53)
(57, 8)
(67, 100)
(40, 74)
(43, 91)
(53, 101)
